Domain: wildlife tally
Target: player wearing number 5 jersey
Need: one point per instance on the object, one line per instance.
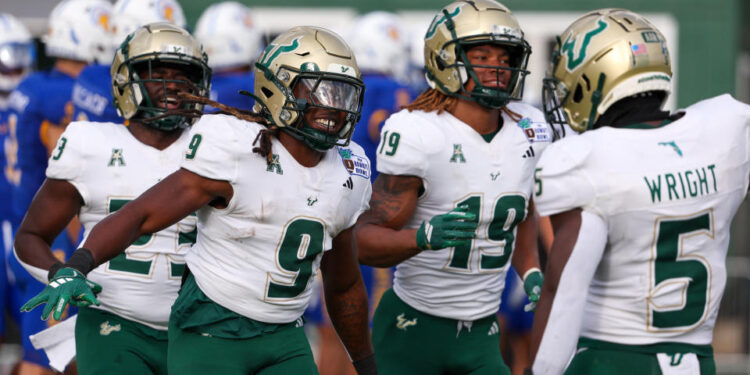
(641, 205)
(453, 198)
(269, 217)
(94, 171)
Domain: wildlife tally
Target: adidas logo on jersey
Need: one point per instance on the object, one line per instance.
(403, 323)
(106, 328)
(349, 184)
(494, 329)
(529, 153)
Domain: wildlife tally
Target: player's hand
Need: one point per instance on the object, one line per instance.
(455, 228)
(67, 286)
(532, 284)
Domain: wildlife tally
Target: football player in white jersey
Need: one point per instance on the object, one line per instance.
(269, 217)
(641, 205)
(453, 198)
(99, 167)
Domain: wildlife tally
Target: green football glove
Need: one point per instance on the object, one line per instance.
(67, 286)
(455, 228)
(532, 284)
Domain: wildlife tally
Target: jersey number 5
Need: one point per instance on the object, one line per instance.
(671, 266)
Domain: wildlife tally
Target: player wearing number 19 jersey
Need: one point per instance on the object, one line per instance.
(94, 171)
(641, 205)
(452, 204)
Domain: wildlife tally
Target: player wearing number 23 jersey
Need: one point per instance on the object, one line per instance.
(642, 204)
(95, 170)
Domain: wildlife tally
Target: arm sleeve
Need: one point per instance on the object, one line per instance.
(564, 323)
(402, 149)
(213, 150)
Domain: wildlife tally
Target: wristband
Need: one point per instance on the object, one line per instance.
(53, 270)
(529, 272)
(366, 366)
(81, 260)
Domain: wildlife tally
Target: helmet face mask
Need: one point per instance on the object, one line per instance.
(138, 73)
(604, 56)
(454, 31)
(309, 85)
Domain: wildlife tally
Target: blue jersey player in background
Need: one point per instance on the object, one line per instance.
(233, 43)
(92, 92)
(17, 57)
(40, 106)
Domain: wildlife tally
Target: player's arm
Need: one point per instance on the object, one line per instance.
(346, 301)
(580, 238)
(380, 239)
(54, 205)
(164, 204)
(526, 256)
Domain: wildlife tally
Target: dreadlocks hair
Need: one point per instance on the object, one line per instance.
(263, 137)
(433, 100)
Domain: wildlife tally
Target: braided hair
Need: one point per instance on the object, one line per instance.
(264, 136)
(434, 100)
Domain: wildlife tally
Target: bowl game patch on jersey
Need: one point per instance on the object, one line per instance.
(535, 131)
(355, 164)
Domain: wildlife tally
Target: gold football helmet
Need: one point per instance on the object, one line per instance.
(324, 65)
(461, 25)
(152, 45)
(604, 56)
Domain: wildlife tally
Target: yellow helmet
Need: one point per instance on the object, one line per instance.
(157, 43)
(604, 56)
(322, 62)
(461, 25)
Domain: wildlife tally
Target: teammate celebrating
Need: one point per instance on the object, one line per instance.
(641, 204)
(268, 218)
(453, 198)
(99, 167)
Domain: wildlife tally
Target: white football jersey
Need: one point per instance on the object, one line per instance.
(458, 167)
(668, 196)
(259, 255)
(110, 167)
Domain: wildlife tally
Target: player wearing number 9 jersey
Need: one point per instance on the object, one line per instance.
(453, 198)
(641, 205)
(269, 217)
(94, 171)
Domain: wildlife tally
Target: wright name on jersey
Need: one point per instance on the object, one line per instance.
(667, 196)
(458, 167)
(259, 255)
(110, 167)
